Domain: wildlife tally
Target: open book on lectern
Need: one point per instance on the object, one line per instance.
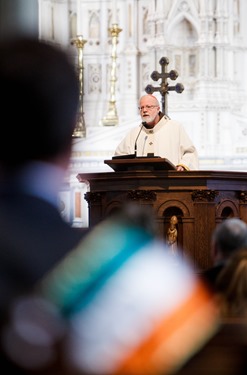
(132, 162)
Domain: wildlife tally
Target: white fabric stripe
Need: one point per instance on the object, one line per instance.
(150, 285)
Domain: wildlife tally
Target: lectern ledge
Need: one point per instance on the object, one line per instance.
(132, 162)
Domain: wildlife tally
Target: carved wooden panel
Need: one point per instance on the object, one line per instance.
(199, 199)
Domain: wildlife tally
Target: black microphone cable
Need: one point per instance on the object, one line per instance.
(135, 149)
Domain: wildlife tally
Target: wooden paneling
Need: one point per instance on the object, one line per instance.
(200, 200)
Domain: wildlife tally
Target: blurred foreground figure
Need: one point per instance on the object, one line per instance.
(131, 307)
(228, 237)
(39, 104)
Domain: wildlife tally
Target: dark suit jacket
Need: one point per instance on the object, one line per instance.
(33, 238)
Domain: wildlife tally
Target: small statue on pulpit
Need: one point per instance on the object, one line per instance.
(172, 235)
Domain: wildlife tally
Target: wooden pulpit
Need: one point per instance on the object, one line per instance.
(199, 199)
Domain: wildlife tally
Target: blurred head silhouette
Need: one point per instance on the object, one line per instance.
(39, 103)
(228, 236)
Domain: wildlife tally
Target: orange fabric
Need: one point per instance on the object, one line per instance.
(175, 337)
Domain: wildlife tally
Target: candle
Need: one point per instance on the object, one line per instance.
(114, 12)
(79, 25)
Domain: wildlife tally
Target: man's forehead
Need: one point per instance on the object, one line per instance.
(149, 99)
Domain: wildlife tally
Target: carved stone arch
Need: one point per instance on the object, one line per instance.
(145, 23)
(226, 209)
(179, 18)
(183, 35)
(94, 26)
(72, 24)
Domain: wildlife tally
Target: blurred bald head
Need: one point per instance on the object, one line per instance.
(229, 236)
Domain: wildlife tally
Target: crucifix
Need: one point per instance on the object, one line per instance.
(164, 86)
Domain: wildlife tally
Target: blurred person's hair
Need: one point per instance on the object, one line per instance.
(232, 286)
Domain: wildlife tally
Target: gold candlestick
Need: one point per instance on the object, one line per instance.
(111, 117)
(80, 129)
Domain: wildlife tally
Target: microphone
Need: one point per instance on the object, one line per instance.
(144, 144)
(135, 150)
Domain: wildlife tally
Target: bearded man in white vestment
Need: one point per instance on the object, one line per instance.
(158, 135)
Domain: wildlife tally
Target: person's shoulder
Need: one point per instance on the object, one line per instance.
(171, 121)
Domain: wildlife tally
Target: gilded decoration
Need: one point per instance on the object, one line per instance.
(243, 196)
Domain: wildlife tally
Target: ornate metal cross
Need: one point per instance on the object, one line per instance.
(164, 87)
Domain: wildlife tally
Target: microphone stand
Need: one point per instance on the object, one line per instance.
(135, 149)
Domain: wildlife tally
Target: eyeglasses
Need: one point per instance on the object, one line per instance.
(147, 107)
